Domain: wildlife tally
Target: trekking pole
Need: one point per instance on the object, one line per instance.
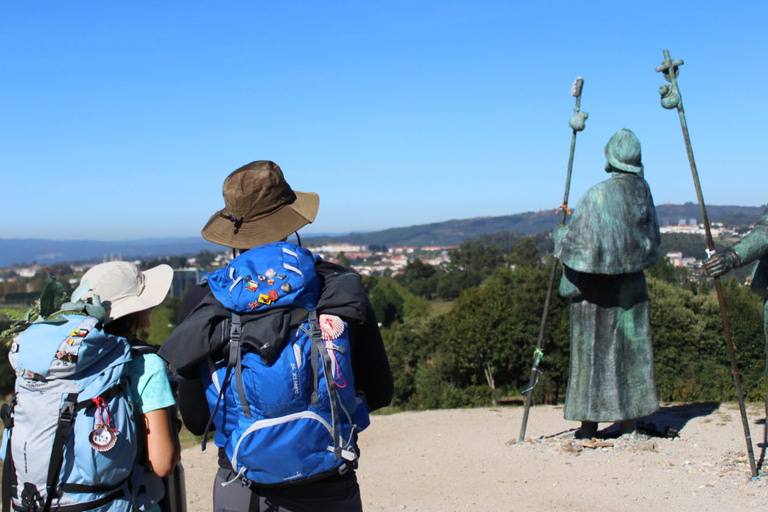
(671, 98)
(577, 124)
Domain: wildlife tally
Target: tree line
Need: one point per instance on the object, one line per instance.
(463, 333)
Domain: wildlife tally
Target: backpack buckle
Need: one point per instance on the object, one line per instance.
(67, 411)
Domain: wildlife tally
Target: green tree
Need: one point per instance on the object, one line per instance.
(492, 329)
(419, 278)
(343, 260)
(526, 254)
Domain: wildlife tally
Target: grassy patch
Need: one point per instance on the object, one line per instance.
(440, 306)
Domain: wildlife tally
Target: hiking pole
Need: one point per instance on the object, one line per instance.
(577, 124)
(671, 98)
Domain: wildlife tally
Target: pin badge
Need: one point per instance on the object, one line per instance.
(271, 273)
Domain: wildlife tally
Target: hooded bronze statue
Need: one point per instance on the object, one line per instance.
(611, 238)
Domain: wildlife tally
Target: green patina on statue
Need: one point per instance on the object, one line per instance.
(612, 237)
(752, 247)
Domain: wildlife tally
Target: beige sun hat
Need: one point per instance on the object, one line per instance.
(260, 208)
(124, 289)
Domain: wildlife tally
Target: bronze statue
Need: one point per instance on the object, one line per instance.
(612, 237)
(752, 247)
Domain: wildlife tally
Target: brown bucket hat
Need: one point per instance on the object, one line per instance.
(260, 208)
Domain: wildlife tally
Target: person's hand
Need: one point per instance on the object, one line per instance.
(719, 264)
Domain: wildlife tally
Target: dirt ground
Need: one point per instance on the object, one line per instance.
(466, 460)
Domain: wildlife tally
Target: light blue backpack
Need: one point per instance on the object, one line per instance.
(285, 409)
(70, 439)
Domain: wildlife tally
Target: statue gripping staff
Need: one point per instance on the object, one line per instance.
(612, 237)
(752, 247)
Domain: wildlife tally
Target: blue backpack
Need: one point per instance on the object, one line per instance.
(70, 439)
(284, 407)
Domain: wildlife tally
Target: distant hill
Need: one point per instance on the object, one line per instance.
(671, 214)
(26, 251)
(451, 232)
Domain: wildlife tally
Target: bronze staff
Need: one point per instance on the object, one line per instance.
(671, 98)
(577, 124)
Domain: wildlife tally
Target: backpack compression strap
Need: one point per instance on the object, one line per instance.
(319, 350)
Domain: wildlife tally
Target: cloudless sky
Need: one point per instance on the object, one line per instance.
(120, 120)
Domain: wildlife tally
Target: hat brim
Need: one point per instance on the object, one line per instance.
(273, 227)
(157, 284)
(621, 166)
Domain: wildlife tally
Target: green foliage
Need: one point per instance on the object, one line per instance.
(420, 279)
(481, 348)
(392, 302)
(664, 269)
(162, 321)
(526, 254)
(343, 260)
(7, 375)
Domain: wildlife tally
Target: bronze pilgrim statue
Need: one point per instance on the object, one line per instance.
(612, 237)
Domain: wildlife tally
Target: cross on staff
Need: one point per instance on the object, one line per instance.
(671, 98)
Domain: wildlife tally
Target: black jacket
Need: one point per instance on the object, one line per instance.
(202, 320)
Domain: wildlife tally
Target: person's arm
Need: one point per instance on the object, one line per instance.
(162, 450)
(192, 404)
(373, 376)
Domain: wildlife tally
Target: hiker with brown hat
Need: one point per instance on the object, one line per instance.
(253, 317)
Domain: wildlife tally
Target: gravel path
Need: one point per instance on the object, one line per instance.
(465, 460)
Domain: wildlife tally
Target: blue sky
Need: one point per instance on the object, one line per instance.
(120, 120)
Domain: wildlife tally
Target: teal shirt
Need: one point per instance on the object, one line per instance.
(149, 389)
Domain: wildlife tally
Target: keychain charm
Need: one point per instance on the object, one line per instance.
(103, 437)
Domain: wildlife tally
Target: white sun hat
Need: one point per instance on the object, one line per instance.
(124, 289)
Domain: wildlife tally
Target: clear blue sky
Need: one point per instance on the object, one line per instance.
(120, 120)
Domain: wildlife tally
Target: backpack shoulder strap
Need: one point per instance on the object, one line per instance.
(9, 468)
(236, 361)
(66, 417)
(144, 349)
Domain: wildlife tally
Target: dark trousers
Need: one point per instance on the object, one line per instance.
(339, 493)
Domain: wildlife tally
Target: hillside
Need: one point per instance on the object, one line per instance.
(450, 232)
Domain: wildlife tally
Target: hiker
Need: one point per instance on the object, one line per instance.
(754, 246)
(90, 426)
(611, 238)
(129, 295)
(261, 212)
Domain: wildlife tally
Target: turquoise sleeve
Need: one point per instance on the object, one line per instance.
(149, 383)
